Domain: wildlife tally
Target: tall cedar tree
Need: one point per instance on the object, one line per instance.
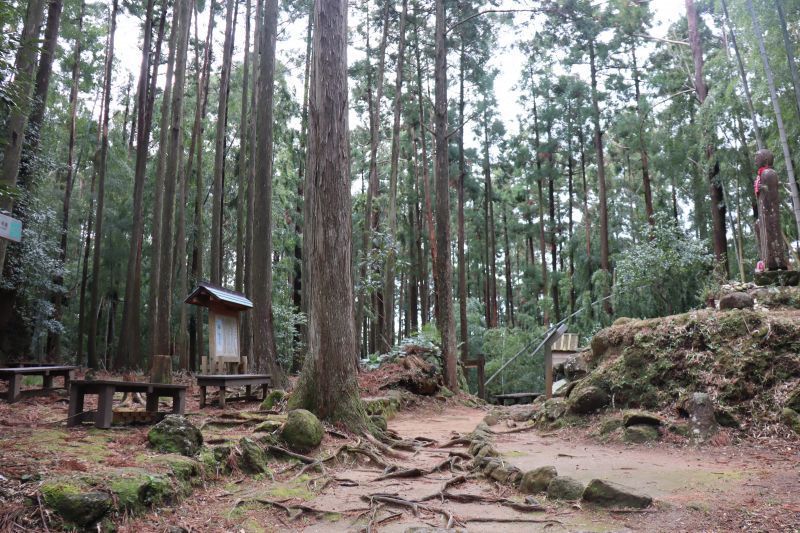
(328, 384)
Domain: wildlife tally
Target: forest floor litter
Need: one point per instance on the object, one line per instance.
(752, 484)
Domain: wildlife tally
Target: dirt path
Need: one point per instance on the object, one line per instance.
(746, 486)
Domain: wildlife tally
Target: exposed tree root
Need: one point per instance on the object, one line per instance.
(415, 507)
(515, 430)
(283, 451)
(293, 510)
(459, 441)
(513, 520)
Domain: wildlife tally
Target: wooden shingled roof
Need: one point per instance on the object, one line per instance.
(213, 296)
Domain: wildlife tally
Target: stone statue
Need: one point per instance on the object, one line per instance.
(771, 244)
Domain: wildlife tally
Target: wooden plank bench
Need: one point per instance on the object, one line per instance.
(223, 381)
(14, 378)
(516, 397)
(105, 399)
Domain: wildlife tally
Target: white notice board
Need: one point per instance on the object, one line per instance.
(224, 337)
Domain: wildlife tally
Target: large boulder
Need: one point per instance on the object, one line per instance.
(607, 494)
(565, 488)
(587, 399)
(736, 300)
(640, 434)
(302, 430)
(74, 505)
(175, 434)
(538, 479)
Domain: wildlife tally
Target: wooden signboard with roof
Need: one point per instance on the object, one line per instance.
(224, 309)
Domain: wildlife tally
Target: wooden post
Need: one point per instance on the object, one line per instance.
(548, 370)
(161, 371)
(481, 378)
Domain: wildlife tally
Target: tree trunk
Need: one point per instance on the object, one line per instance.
(195, 145)
(27, 171)
(54, 341)
(391, 259)
(743, 78)
(101, 177)
(425, 177)
(509, 279)
(244, 132)
(373, 188)
(444, 267)
(491, 266)
(328, 383)
(172, 174)
(605, 263)
(128, 352)
(790, 177)
(181, 262)
(264, 349)
(13, 138)
(154, 297)
(717, 199)
(217, 252)
(462, 174)
(789, 47)
(587, 222)
(648, 194)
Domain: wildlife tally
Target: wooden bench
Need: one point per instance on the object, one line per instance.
(224, 381)
(105, 399)
(516, 397)
(14, 378)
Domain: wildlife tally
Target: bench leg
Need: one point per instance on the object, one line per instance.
(105, 408)
(248, 391)
(202, 397)
(152, 402)
(222, 397)
(264, 389)
(75, 415)
(14, 388)
(47, 382)
(68, 377)
(179, 402)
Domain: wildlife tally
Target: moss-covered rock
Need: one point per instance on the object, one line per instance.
(640, 434)
(274, 398)
(793, 401)
(791, 418)
(553, 409)
(587, 399)
(682, 429)
(175, 434)
(607, 494)
(564, 488)
(136, 489)
(74, 503)
(637, 417)
(610, 426)
(538, 479)
(726, 418)
(252, 458)
(302, 431)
